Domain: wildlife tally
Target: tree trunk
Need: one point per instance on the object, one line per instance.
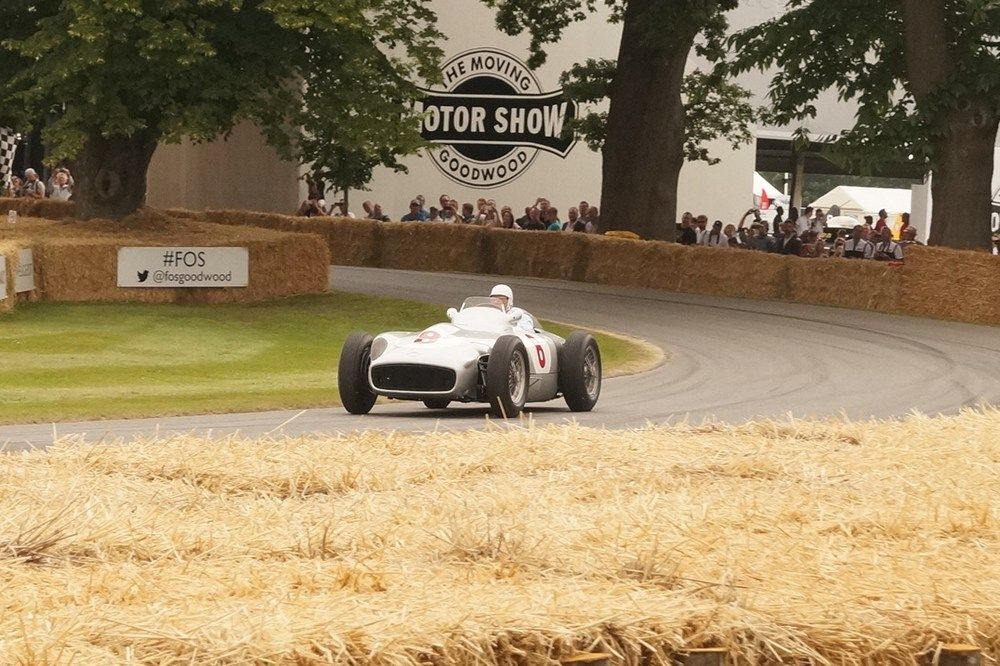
(964, 150)
(644, 150)
(111, 175)
(963, 180)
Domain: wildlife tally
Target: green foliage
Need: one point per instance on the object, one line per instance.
(306, 71)
(713, 108)
(825, 44)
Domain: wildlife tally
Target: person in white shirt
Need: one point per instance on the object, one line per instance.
(857, 247)
(888, 249)
(819, 223)
(715, 238)
(503, 297)
(701, 228)
(804, 223)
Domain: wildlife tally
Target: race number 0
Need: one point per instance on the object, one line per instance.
(541, 355)
(428, 337)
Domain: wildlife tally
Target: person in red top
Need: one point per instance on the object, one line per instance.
(883, 222)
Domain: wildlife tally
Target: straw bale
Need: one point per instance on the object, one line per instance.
(631, 263)
(780, 541)
(950, 284)
(44, 208)
(729, 272)
(8, 251)
(538, 254)
(424, 246)
(77, 261)
(851, 283)
(631, 235)
(928, 285)
(184, 213)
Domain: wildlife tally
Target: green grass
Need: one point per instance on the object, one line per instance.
(63, 361)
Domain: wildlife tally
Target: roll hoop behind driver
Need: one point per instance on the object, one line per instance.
(503, 297)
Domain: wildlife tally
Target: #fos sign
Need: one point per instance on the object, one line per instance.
(183, 267)
(492, 119)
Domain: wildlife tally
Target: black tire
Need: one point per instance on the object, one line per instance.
(437, 403)
(356, 393)
(580, 371)
(506, 400)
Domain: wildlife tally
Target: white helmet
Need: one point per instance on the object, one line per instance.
(505, 291)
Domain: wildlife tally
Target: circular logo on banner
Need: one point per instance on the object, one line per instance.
(492, 119)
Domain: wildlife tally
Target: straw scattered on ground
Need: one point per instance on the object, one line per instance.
(831, 542)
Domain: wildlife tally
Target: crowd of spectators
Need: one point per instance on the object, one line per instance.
(539, 216)
(59, 187)
(805, 234)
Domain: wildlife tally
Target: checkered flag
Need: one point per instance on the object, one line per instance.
(8, 147)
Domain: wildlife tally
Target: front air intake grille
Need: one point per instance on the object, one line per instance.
(410, 377)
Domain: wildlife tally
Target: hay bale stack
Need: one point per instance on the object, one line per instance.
(77, 261)
(8, 251)
(538, 254)
(41, 208)
(849, 283)
(425, 246)
(951, 284)
(728, 272)
(354, 242)
(632, 263)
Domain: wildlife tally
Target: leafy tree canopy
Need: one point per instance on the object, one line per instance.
(714, 106)
(305, 71)
(858, 48)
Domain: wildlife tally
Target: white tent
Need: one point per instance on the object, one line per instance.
(860, 201)
(761, 185)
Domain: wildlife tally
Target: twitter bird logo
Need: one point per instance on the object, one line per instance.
(142, 275)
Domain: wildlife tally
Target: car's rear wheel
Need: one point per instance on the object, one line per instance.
(580, 371)
(437, 403)
(507, 374)
(356, 393)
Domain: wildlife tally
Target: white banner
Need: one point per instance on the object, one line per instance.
(183, 267)
(3, 277)
(24, 280)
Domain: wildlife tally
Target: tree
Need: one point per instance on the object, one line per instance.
(927, 85)
(648, 130)
(108, 81)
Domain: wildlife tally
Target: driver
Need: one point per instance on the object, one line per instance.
(503, 297)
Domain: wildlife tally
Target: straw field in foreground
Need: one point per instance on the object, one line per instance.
(829, 542)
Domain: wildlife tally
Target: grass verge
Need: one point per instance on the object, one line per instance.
(66, 361)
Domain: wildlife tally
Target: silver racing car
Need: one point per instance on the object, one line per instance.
(481, 355)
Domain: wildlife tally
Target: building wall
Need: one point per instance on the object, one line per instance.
(241, 171)
(723, 191)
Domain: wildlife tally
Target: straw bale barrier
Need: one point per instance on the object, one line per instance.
(77, 261)
(43, 208)
(781, 542)
(934, 282)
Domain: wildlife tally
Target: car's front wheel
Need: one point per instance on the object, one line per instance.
(356, 393)
(580, 371)
(507, 375)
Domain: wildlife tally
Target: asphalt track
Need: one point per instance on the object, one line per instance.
(730, 360)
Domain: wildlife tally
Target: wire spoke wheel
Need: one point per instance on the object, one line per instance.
(517, 378)
(507, 377)
(591, 372)
(580, 371)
